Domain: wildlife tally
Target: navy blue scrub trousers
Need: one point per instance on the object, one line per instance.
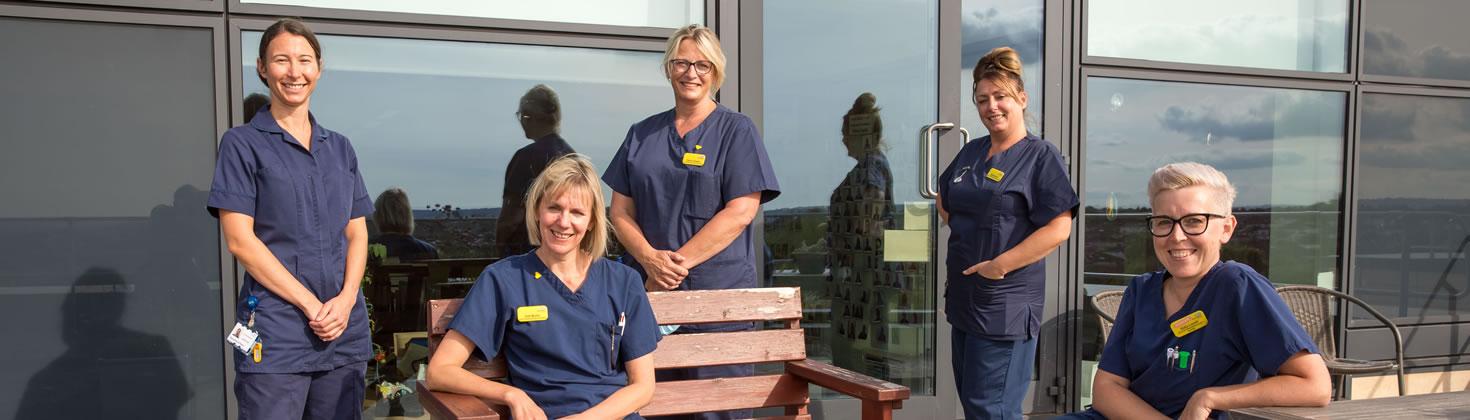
(334, 394)
(991, 375)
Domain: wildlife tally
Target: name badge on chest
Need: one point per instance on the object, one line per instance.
(531, 313)
(1189, 323)
(694, 159)
(995, 175)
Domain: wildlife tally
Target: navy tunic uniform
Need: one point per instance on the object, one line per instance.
(993, 205)
(1248, 331)
(301, 201)
(675, 200)
(577, 355)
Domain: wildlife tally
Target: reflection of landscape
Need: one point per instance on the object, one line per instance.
(1290, 245)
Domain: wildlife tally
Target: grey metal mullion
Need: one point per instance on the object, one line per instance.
(80, 14)
(1062, 45)
(236, 6)
(236, 273)
(1416, 91)
(724, 18)
(947, 109)
(1189, 77)
(1215, 69)
(498, 36)
(1414, 81)
(184, 5)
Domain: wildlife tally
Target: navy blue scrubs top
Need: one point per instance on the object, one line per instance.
(576, 357)
(301, 201)
(988, 217)
(674, 200)
(1249, 330)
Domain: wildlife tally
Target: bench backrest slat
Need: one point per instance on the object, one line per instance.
(734, 305)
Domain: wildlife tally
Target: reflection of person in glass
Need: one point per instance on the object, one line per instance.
(1008, 203)
(860, 209)
(108, 369)
(393, 215)
(1191, 340)
(540, 117)
(687, 183)
(576, 328)
(293, 209)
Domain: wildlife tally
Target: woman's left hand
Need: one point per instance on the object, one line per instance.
(331, 320)
(987, 269)
(1198, 407)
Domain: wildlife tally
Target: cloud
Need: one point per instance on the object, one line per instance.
(1276, 116)
(1229, 161)
(1015, 27)
(1387, 54)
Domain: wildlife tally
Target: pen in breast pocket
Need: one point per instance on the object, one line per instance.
(622, 321)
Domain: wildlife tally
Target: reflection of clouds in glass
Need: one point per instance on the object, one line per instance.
(437, 119)
(819, 56)
(1387, 54)
(1308, 35)
(1280, 146)
(1427, 40)
(1001, 23)
(1422, 154)
(1013, 23)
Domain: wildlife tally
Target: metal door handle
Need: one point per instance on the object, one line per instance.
(929, 156)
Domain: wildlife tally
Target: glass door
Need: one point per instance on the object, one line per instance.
(849, 93)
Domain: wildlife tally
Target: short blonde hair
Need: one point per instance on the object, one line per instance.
(708, 44)
(572, 172)
(392, 212)
(1180, 175)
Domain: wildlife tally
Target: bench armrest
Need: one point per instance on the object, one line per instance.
(449, 405)
(850, 383)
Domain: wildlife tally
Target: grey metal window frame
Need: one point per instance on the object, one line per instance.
(189, 5)
(394, 18)
(1436, 320)
(1357, 25)
(216, 26)
(1351, 64)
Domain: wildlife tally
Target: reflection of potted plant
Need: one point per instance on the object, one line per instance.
(810, 258)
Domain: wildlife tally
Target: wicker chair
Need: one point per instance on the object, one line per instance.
(1106, 306)
(1312, 307)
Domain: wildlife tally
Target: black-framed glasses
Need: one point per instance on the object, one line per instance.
(701, 67)
(1193, 224)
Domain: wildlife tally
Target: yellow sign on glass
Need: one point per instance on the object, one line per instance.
(694, 159)
(1189, 323)
(531, 313)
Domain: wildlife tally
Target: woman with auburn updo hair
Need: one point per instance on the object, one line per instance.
(1008, 202)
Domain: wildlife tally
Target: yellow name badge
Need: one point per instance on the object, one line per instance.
(995, 175)
(531, 313)
(1189, 323)
(694, 159)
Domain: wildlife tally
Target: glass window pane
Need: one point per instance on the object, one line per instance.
(989, 24)
(647, 13)
(849, 194)
(1306, 35)
(439, 121)
(1420, 38)
(1413, 221)
(109, 274)
(1281, 148)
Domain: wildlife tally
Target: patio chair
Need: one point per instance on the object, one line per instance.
(1312, 307)
(1106, 306)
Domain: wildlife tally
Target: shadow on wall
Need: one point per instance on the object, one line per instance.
(107, 370)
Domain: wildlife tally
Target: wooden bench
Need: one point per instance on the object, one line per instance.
(783, 345)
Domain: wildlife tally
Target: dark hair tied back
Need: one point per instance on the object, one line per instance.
(289, 26)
